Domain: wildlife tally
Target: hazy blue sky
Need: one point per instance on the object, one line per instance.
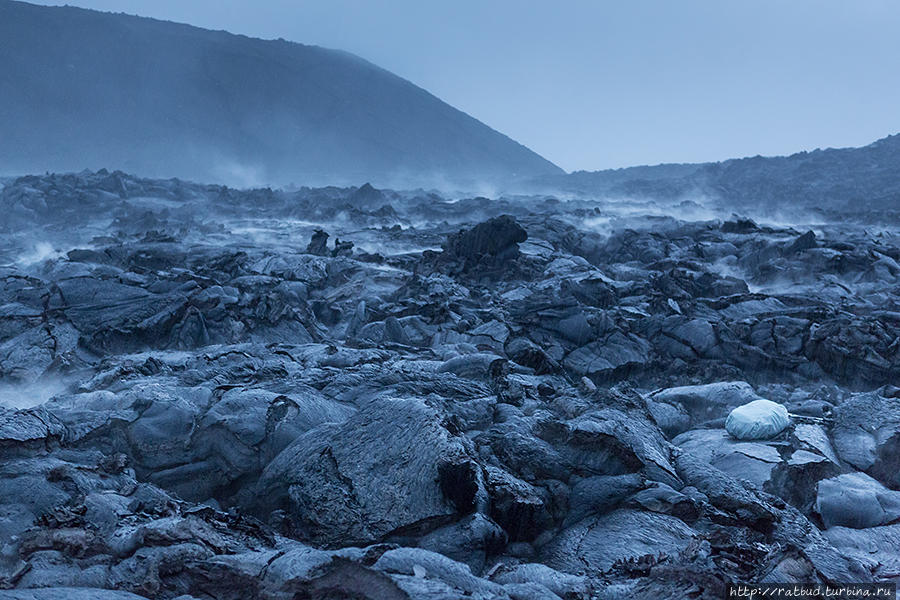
(592, 84)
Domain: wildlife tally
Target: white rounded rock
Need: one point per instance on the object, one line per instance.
(757, 420)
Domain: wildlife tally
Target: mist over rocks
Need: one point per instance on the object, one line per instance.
(369, 393)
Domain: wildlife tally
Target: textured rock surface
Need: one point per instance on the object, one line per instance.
(856, 500)
(203, 396)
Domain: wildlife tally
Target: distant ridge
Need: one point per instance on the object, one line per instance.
(85, 89)
(863, 178)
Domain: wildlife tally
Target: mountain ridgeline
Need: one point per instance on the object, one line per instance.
(843, 180)
(85, 89)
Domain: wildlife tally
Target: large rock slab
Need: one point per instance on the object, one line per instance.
(597, 543)
(866, 434)
(752, 461)
(875, 547)
(391, 465)
(617, 352)
(609, 441)
(856, 500)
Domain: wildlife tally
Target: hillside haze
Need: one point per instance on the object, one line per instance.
(843, 179)
(85, 89)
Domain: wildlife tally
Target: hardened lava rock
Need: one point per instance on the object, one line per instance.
(520, 398)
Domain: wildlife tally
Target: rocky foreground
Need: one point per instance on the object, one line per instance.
(206, 395)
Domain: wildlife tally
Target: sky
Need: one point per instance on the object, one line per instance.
(594, 84)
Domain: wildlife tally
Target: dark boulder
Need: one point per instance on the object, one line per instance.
(318, 244)
(495, 240)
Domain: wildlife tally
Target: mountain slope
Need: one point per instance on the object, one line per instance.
(840, 179)
(81, 89)
(844, 178)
